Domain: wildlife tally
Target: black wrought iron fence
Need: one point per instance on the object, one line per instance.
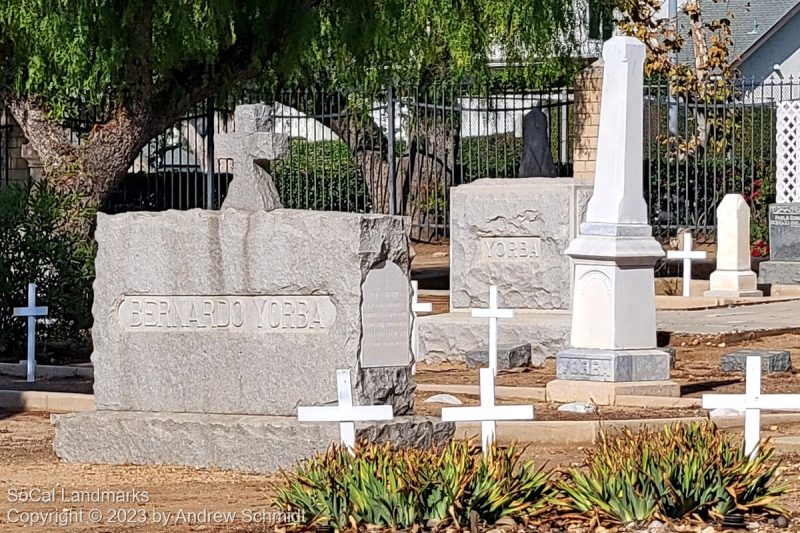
(399, 149)
(394, 150)
(699, 149)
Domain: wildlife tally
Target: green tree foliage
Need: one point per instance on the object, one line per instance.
(144, 63)
(39, 243)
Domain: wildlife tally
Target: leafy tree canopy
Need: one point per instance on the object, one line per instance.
(172, 53)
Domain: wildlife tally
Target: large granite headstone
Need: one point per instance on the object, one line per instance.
(512, 233)
(211, 327)
(537, 159)
(783, 267)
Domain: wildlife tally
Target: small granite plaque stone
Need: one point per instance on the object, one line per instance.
(508, 356)
(771, 360)
(386, 317)
(784, 232)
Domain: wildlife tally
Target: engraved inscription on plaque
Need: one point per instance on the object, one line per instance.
(510, 248)
(785, 215)
(784, 237)
(586, 369)
(385, 315)
(309, 314)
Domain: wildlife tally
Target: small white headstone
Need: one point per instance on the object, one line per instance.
(493, 313)
(386, 319)
(687, 255)
(345, 412)
(733, 277)
(31, 312)
(752, 402)
(416, 307)
(487, 413)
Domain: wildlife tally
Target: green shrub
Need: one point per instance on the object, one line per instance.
(41, 242)
(400, 488)
(676, 472)
(495, 156)
(322, 176)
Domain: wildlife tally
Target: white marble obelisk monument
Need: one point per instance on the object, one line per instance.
(613, 299)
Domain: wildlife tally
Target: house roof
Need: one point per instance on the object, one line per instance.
(753, 22)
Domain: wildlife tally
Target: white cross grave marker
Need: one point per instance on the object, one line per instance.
(487, 413)
(752, 402)
(688, 255)
(345, 412)
(31, 312)
(416, 307)
(493, 313)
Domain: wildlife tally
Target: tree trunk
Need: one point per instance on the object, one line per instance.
(96, 166)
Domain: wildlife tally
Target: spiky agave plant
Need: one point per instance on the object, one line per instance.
(678, 471)
(380, 486)
(502, 486)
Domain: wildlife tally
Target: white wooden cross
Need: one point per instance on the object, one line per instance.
(31, 312)
(493, 313)
(688, 256)
(752, 402)
(487, 413)
(416, 307)
(345, 412)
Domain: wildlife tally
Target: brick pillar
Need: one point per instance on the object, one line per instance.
(588, 89)
(19, 168)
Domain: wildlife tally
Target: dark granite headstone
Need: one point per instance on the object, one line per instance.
(771, 360)
(783, 267)
(537, 161)
(507, 357)
(784, 232)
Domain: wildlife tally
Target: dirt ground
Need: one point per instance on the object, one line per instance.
(212, 500)
(177, 496)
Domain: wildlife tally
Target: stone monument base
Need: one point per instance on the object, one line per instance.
(248, 443)
(450, 336)
(733, 284)
(605, 392)
(582, 364)
(779, 272)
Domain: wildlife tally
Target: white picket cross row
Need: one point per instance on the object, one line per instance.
(416, 307)
(345, 412)
(688, 255)
(493, 313)
(31, 312)
(752, 402)
(487, 413)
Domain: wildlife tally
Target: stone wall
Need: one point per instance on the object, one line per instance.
(588, 87)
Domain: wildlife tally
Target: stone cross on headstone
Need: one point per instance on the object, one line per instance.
(251, 146)
(752, 402)
(31, 312)
(345, 412)
(733, 277)
(487, 413)
(687, 255)
(416, 307)
(493, 313)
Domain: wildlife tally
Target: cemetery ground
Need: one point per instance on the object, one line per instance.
(27, 460)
